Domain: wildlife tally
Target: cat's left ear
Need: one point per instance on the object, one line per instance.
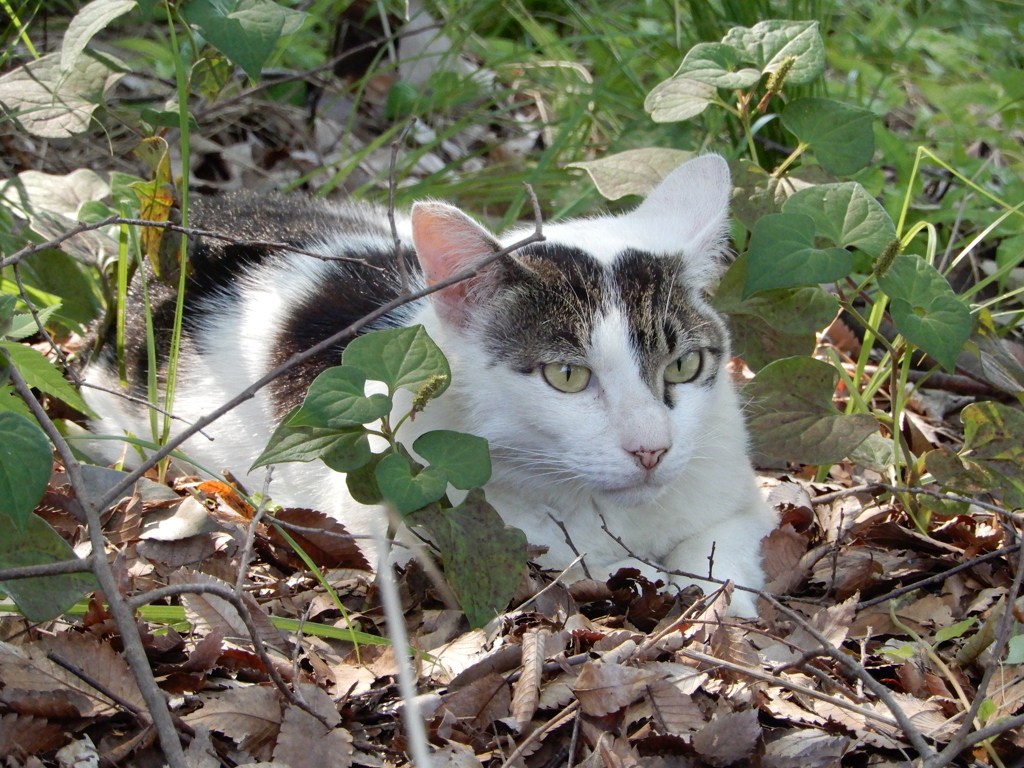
(447, 242)
(688, 213)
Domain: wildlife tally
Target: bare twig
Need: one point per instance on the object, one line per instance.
(42, 329)
(580, 558)
(938, 578)
(28, 250)
(133, 399)
(99, 686)
(47, 569)
(562, 717)
(392, 183)
(123, 616)
(250, 533)
(227, 593)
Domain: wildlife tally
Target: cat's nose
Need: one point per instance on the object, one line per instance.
(649, 459)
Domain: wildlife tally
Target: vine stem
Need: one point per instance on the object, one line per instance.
(789, 160)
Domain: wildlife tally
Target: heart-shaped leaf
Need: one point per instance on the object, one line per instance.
(336, 400)
(362, 482)
(484, 559)
(633, 172)
(678, 98)
(716, 64)
(341, 449)
(400, 357)
(925, 310)
(845, 214)
(406, 491)
(994, 438)
(26, 463)
(769, 43)
(464, 459)
(34, 542)
(782, 254)
(840, 134)
(792, 418)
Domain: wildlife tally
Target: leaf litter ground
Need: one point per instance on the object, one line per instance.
(616, 672)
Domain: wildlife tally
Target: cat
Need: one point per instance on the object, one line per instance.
(592, 363)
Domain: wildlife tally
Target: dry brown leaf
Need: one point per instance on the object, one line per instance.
(328, 543)
(125, 521)
(454, 755)
(728, 738)
(480, 703)
(674, 712)
(200, 752)
(781, 552)
(58, 705)
(603, 688)
(24, 734)
(27, 668)
(526, 691)
(558, 691)
(304, 742)
(210, 611)
(464, 660)
(250, 716)
(807, 748)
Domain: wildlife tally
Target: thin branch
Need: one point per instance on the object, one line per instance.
(249, 392)
(47, 569)
(190, 231)
(403, 271)
(134, 399)
(42, 329)
(250, 533)
(937, 578)
(562, 717)
(123, 616)
(81, 674)
(227, 593)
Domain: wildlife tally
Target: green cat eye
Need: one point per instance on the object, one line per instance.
(566, 377)
(684, 369)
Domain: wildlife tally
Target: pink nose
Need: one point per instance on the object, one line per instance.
(649, 459)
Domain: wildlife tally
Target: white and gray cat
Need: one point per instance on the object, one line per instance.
(591, 362)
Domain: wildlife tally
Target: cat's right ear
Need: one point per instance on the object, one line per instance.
(448, 242)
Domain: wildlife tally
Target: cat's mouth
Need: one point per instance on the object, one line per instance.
(637, 493)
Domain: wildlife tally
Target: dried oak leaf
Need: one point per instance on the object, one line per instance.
(55, 705)
(210, 611)
(728, 738)
(28, 668)
(480, 703)
(326, 541)
(305, 742)
(201, 752)
(603, 688)
(806, 748)
(674, 712)
(781, 552)
(250, 716)
(526, 691)
(28, 735)
(454, 755)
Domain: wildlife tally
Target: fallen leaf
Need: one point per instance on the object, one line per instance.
(603, 688)
(728, 738)
(249, 716)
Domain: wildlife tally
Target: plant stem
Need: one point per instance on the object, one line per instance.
(789, 160)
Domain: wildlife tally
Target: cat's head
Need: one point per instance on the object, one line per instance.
(590, 361)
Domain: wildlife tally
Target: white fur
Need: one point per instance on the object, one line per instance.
(557, 457)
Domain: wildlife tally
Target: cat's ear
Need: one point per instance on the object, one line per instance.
(688, 212)
(447, 242)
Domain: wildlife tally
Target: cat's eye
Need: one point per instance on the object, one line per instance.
(685, 368)
(566, 377)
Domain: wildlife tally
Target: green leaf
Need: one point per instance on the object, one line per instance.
(24, 325)
(633, 172)
(7, 303)
(677, 99)
(759, 344)
(343, 450)
(245, 31)
(715, 64)
(484, 559)
(11, 403)
(464, 459)
(846, 215)
(792, 418)
(406, 491)
(782, 254)
(36, 543)
(994, 443)
(925, 310)
(91, 19)
(1016, 650)
(768, 43)
(957, 630)
(400, 357)
(26, 463)
(336, 400)
(840, 135)
(40, 373)
(362, 482)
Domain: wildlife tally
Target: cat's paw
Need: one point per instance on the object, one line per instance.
(743, 605)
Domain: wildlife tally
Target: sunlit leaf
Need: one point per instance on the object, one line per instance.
(464, 459)
(335, 400)
(716, 64)
(677, 99)
(40, 373)
(768, 43)
(409, 492)
(400, 357)
(845, 214)
(633, 172)
(92, 18)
